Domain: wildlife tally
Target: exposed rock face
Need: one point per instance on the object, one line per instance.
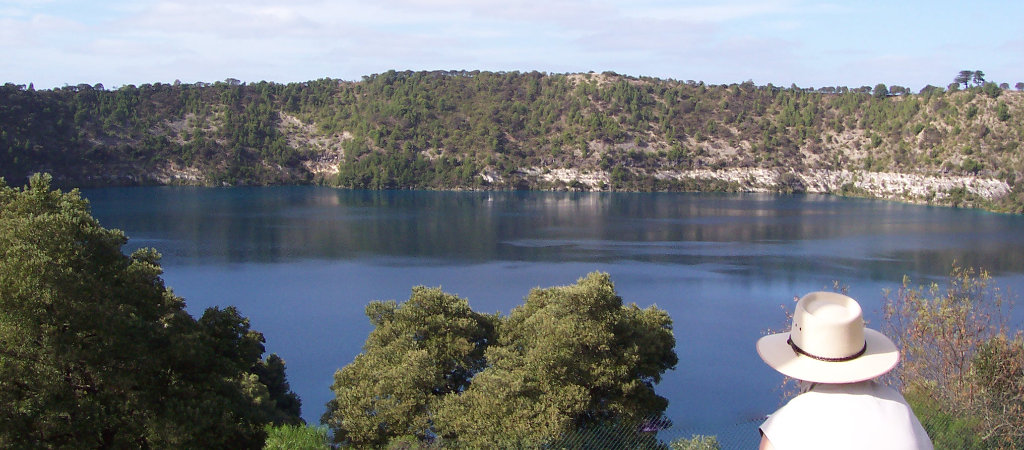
(174, 174)
(324, 152)
(885, 185)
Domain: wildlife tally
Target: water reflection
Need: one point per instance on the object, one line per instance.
(271, 225)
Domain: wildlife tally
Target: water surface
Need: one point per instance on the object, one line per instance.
(303, 261)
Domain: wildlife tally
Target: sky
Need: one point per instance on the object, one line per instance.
(52, 43)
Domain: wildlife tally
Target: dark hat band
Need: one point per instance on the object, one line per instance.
(800, 351)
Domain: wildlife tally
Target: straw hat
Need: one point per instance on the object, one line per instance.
(828, 343)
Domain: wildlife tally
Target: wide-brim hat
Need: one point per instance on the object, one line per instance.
(828, 343)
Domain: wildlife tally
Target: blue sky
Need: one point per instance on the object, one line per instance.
(852, 43)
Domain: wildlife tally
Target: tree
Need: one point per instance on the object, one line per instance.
(571, 357)
(991, 89)
(1019, 86)
(95, 352)
(1002, 111)
(209, 397)
(418, 352)
(964, 78)
(881, 91)
(284, 407)
(978, 77)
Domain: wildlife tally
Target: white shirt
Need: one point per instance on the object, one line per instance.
(864, 415)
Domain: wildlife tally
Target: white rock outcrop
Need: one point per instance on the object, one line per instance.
(888, 185)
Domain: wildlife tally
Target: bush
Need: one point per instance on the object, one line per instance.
(296, 437)
(960, 372)
(945, 430)
(696, 442)
(998, 370)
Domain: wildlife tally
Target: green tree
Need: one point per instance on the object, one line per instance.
(418, 352)
(95, 352)
(978, 77)
(572, 357)
(881, 91)
(964, 78)
(1002, 111)
(991, 89)
(209, 397)
(285, 407)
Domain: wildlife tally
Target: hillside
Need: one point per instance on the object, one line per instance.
(485, 130)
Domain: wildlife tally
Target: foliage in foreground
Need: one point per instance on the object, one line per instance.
(695, 443)
(570, 358)
(296, 437)
(961, 371)
(95, 352)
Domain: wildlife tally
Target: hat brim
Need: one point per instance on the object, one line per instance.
(880, 357)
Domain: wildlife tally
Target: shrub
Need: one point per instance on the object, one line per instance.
(959, 371)
(697, 442)
(296, 437)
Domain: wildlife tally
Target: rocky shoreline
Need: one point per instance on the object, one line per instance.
(914, 188)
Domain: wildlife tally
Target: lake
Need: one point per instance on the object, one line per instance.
(303, 261)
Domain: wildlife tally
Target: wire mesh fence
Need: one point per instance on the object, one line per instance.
(737, 436)
(945, 431)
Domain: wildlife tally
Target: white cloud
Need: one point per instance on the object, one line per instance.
(223, 20)
(712, 13)
(36, 30)
(130, 49)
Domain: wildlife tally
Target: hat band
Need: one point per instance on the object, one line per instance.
(800, 351)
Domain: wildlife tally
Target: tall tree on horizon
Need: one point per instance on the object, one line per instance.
(964, 78)
(978, 77)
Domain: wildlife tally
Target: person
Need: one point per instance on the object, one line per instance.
(835, 360)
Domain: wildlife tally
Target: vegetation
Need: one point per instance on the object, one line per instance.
(508, 130)
(95, 352)
(571, 358)
(695, 443)
(296, 437)
(961, 371)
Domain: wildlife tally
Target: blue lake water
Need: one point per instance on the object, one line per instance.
(302, 262)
